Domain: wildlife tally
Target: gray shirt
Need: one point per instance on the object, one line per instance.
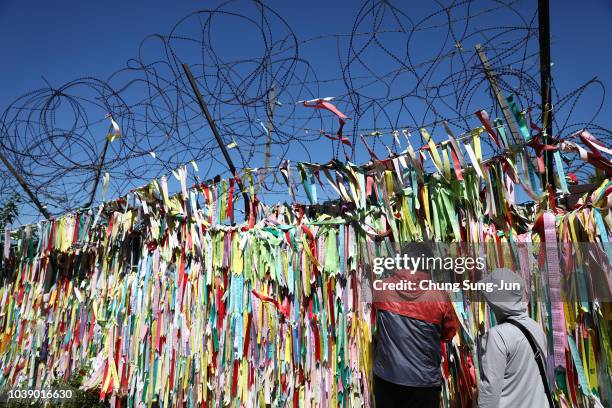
(407, 351)
(509, 374)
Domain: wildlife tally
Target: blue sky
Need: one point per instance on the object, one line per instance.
(68, 39)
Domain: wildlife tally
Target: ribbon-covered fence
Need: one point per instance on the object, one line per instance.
(160, 298)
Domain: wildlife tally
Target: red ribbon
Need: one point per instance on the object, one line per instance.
(540, 148)
(484, 119)
(322, 104)
(229, 213)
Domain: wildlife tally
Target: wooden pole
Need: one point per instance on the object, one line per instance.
(545, 86)
(98, 173)
(213, 127)
(271, 104)
(503, 104)
(25, 187)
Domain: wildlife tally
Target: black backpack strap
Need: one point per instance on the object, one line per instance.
(538, 357)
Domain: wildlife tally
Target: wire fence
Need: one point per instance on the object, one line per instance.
(394, 71)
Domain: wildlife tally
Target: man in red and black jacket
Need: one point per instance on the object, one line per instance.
(411, 324)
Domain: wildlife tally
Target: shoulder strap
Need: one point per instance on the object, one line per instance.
(538, 357)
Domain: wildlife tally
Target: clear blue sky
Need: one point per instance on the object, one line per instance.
(67, 39)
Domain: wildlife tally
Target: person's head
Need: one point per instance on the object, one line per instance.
(507, 297)
(424, 255)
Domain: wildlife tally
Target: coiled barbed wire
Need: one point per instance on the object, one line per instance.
(395, 70)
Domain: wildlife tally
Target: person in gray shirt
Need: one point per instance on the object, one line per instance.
(509, 373)
(411, 324)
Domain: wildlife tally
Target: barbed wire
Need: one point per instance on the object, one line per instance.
(394, 70)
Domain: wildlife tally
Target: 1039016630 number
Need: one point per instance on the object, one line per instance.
(35, 394)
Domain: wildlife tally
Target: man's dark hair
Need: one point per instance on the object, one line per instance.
(426, 250)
